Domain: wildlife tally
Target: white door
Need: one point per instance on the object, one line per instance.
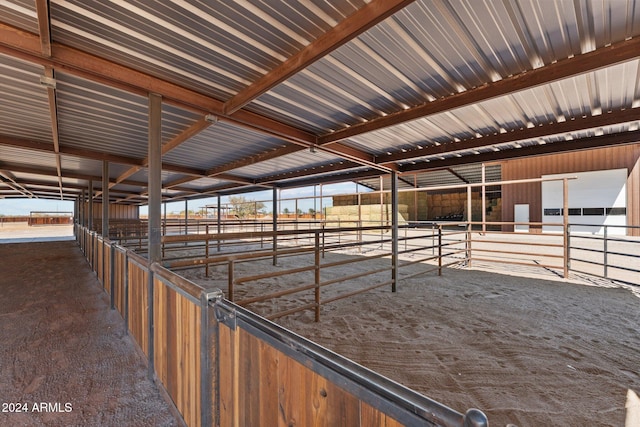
(521, 214)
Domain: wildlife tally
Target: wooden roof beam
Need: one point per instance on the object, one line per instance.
(579, 64)
(572, 125)
(354, 25)
(588, 143)
(24, 45)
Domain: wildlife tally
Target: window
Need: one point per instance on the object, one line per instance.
(616, 211)
(575, 211)
(552, 212)
(593, 211)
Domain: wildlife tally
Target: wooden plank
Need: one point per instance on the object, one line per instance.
(226, 353)
(370, 416)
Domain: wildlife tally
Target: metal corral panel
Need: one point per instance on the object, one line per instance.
(20, 13)
(24, 109)
(221, 143)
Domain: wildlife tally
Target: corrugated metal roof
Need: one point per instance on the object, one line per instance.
(428, 51)
(102, 118)
(24, 110)
(292, 162)
(20, 13)
(220, 144)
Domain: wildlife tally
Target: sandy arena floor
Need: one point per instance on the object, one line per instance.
(526, 351)
(62, 346)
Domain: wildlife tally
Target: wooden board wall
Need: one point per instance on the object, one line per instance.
(627, 156)
(261, 386)
(118, 288)
(115, 212)
(138, 305)
(176, 353)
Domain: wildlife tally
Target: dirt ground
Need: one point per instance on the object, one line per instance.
(526, 351)
(65, 358)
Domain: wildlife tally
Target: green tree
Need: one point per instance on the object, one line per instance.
(244, 208)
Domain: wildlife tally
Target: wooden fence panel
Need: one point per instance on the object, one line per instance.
(261, 386)
(177, 339)
(138, 305)
(119, 260)
(106, 267)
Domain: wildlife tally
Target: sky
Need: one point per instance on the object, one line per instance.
(18, 207)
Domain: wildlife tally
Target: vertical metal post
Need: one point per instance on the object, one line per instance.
(230, 279)
(112, 272)
(415, 197)
(321, 210)
(606, 253)
(394, 230)
(81, 208)
(186, 218)
(484, 201)
(155, 205)
(90, 202)
(206, 250)
(126, 292)
(439, 250)
(469, 219)
(275, 225)
(219, 221)
(206, 370)
(317, 274)
(105, 199)
(565, 223)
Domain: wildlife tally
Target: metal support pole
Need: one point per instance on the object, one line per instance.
(484, 201)
(155, 204)
(469, 218)
(105, 199)
(219, 221)
(275, 225)
(317, 275)
(112, 272)
(394, 231)
(90, 203)
(565, 223)
(186, 219)
(606, 253)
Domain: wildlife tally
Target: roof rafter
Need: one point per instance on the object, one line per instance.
(21, 44)
(579, 64)
(586, 143)
(93, 155)
(572, 125)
